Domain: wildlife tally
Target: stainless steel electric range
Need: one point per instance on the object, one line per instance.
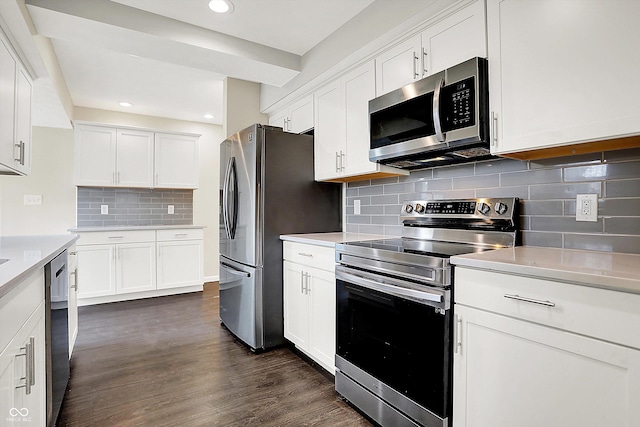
(395, 310)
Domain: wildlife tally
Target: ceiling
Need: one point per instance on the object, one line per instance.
(169, 57)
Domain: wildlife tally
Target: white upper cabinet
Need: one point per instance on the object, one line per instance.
(15, 111)
(562, 74)
(110, 157)
(450, 41)
(342, 128)
(176, 160)
(295, 118)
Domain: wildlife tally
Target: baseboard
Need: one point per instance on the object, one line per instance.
(212, 278)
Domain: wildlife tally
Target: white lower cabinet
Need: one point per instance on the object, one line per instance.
(22, 354)
(121, 265)
(310, 301)
(523, 358)
(179, 258)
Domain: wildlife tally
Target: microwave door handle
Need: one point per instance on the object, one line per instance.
(436, 113)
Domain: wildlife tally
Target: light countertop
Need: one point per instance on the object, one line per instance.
(608, 270)
(329, 239)
(132, 228)
(26, 254)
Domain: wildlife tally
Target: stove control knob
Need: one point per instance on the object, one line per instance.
(500, 208)
(419, 208)
(484, 208)
(408, 209)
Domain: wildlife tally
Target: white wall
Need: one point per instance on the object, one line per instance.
(52, 178)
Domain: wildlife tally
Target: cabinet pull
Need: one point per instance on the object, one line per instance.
(494, 128)
(307, 287)
(20, 156)
(180, 234)
(29, 377)
(116, 237)
(337, 162)
(458, 332)
(531, 300)
(424, 62)
(415, 66)
(74, 273)
(118, 177)
(305, 254)
(342, 161)
(302, 282)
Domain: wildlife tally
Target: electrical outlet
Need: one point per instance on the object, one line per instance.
(170, 210)
(587, 207)
(104, 209)
(356, 207)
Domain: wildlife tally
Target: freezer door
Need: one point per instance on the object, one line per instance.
(239, 180)
(240, 297)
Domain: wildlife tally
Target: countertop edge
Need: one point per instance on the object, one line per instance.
(132, 228)
(10, 284)
(328, 239)
(574, 277)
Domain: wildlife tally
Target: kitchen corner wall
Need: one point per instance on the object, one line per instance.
(547, 190)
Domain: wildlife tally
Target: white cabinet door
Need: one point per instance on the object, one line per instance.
(455, 39)
(399, 66)
(135, 267)
(134, 158)
(179, 264)
(23, 122)
(7, 105)
(22, 361)
(545, 90)
(73, 297)
(329, 133)
(279, 119)
(95, 156)
(322, 317)
(296, 305)
(96, 267)
(301, 115)
(176, 161)
(509, 373)
(359, 89)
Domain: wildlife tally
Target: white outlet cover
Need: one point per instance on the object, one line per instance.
(170, 210)
(356, 207)
(32, 199)
(104, 209)
(587, 207)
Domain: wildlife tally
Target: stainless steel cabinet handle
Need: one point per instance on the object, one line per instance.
(494, 128)
(74, 273)
(118, 177)
(342, 161)
(302, 282)
(530, 300)
(20, 156)
(180, 235)
(305, 254)
(337, 162)
(116, 237)
(458, 337)
(424, 62)
(415, 66)
(29, 353)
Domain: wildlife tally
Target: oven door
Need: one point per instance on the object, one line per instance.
(399, 334)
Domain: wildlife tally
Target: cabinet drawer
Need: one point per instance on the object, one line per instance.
(600, 313)
(107, 237)
(180, 234)
(321, 257)
(18, 304)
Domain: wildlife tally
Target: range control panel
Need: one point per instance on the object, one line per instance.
(488, 208)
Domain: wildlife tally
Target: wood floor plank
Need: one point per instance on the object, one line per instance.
(169, 362)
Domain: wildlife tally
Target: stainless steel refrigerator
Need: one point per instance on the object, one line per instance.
(267, 189)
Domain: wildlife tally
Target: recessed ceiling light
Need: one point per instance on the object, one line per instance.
(125, 104)
(209, 116)
(221, 6)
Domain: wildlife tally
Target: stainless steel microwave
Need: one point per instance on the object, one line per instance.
(441, 119)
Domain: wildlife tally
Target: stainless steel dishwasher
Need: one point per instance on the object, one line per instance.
(57, 334)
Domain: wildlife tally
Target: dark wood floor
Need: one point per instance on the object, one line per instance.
(168, 362)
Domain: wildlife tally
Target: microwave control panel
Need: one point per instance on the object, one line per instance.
(458, 105)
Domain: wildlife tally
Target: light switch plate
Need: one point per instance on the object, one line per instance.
(104, 209)
(170, 210)
(587, 207)
(356, 207)
(32, 199)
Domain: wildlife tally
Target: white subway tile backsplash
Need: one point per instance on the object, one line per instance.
(547, 190)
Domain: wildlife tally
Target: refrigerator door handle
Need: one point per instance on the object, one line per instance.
(230, 207)
(231, 270)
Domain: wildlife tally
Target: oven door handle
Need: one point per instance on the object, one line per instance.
(424, 297)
